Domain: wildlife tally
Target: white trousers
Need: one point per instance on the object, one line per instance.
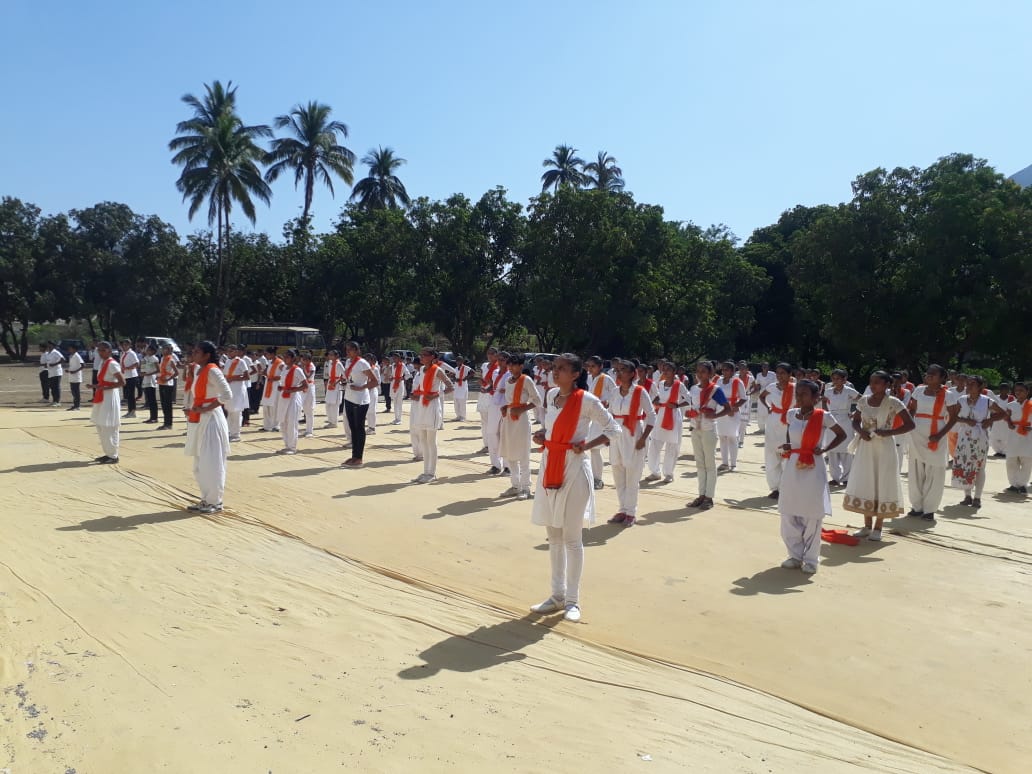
(288, 426)
(424, 442)
(308, 406)
(626, 464)
(1018, 470)
(772, 459)
(108, 440)
(333, 407)
(519, 469)
(839, 465)
(704, 447)
(459, 397)
(743, 426)
(597, 466)
(398, 402)
(370, 417)
(729, 450)
(761, 416)
(233, 420)
(269, 416)
(211, 478)
(566, 551)
(665, 454)
(925, 484)
(491, 429)
(802, 538)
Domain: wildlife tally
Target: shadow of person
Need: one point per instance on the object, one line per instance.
(776, 580)
(838, 554)
(751, 502)
(960, 512)
(125, 523)
(904, 525)
(372, 490)
(49, 467)
(482, 648)
(465, 507)
(675, 516)
(601, 534)
(297, 473)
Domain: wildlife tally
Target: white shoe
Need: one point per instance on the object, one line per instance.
(668, 479)
(652, 477)
(572, 613)
(211, 508)
(234, 438)
(197, 506)
(396, 422)
(875, 536)
(54, 404)
(862, 533)
(524, 494)
(791, 564)
(510, 492)
(550, 605)
(809, 569)
(309, 435)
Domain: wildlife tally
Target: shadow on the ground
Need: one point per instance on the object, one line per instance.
(483, 648)
(49, 467)
(751, 502)
(838, 554)
(465, 507)
(776, 580)
(373, 490)
(125, 523)
(674, 516)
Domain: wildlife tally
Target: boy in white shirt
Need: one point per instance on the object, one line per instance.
(75, 366)
(129, 362)
(55, 371)
(149, 375)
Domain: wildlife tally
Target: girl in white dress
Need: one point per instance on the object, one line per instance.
(805, 501)
(974, 421)
(669, 396)
(729, 425)
(1019, 445)
(602, 386)
(745, 411)
(238, 376)
(461, 392)
(709, 405)
(934, 408)
(777, 400)
(838, 399)
(290, 388)
(207, 433)
(565, 497)
(874, 487)
(107, 403)
(334, 370)
(426, 412)
(521, 396)
(631, 405)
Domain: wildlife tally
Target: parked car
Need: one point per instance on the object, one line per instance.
(64, 346)
(160, 341)
(406, 354)
(448, 357)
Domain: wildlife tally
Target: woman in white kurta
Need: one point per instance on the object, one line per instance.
(521, 396)
(745, 411)
(238, 376)
(374, 395)
(107, 403)
(271, 393)
(207, 432)
(934, 408)
(777, 400)
(709, 405)
(565, 497)
(729, 425)
(334, 370)
(669, 397)
(602, 386)
(1018, 418)
(397, 373)
(838, 399)
(291, 388)
(461, 392)
(974, 420)
(804, 500)
(630, 405)
(490, 372)
(308, 396)
(425, 413)
(874, 489)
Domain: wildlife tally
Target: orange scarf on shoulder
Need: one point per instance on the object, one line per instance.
(787, 396)
(560, 441)
(98, 395)
(273, 366)
(427, 391)
(705, 393)
(940, 400)
(1026, 417)
(517, 395)
(634, 415)
(200, 393)
(671, 405)
(811, 440)
(288, 382)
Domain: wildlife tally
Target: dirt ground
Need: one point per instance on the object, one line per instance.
(351, 620)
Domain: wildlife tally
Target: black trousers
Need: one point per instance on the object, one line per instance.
(132, 385)
(150, 395)
(356, 416)
(55, 389)
(167, 393)
(387, 397)
(44, 384)
(76, 387)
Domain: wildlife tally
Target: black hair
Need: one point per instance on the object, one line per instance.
(430, 350)
(577, 365)
(882, 376)
(708, 365)
(348, 345)
(593, 359)
(516, 359)
(977, 378)
(784, 367)
(208, 348)
(943, 374)
(840, 372)
(810, 385)
(292, 353)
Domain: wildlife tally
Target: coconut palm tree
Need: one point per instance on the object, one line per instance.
(219, 155)
(381, 188)
(603, 174)
(566, 169)
(312, 152)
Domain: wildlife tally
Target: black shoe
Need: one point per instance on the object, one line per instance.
(109, 461)
(505, 471)
(928, 516)
(1014, 489)
(165, 427)
(915, 513)
(1023, 490)
(101, 458)
(494, 471)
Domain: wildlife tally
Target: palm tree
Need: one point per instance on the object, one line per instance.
(219, 156)
(565, 169)
(312, 152)
(603, 174)
(381, 188)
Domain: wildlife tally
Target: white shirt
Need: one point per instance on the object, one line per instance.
(54, 360)
(149, 371)
(129, 362)
(357, 391)
(75, 364)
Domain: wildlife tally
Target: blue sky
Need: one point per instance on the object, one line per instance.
(719, 111)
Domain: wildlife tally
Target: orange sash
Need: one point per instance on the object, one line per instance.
(705, 393)
(811, 440)
(310, 373)
(561, 436)
(232, 366)
(334, 374)
(634, 415)
(200, 394)
(736, 387)
(98, 395)
(273, 367)
(165, 373)
(647, 384)
(671, 405)
(398, 376)
(288, 382)
(786, 402)
(348, 370)
(488, 374)
(460, 375)
(596, 388)
(1026, 416)
(426, 392)
(517, 394)
(940, 400)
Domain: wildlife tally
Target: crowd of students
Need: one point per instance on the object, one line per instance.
(818, 437)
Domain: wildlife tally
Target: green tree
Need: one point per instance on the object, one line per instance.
(603, 174)
(219, 155)
(19, 247)
(565, 169)
(311, 152)
(381, 188)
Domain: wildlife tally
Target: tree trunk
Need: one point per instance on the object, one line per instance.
(23, 345)
(220, 333)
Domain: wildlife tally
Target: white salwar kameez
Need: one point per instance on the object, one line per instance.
(804, 500)
(425, 419)
(704, 438)
(238, 400)
(106, 415)
(664, 444)
(490, 414)
(207, 441)
(290, 407)
(514, 441)
(1019, 447)
(603, 392)
(926, 475)
(774, 438)
(626, 462)
(729, 425)
(334, 394)
(461, 393)
(564, 511)
(271, 396)
(874, 487)
(840, 461)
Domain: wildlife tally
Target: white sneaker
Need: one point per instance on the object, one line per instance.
(211, 508)
(424, 478)
(396, 422)
(809, 569)
(572, 613)
(550, 605)
(875, 535)
(652, 477)
(862, 533)
(309, 435)
(510, 492)
(668, 479)
(523, 494)
(197, 506)
(791, 564)
(234, 438)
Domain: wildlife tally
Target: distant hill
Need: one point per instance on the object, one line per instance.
(1024, 177)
